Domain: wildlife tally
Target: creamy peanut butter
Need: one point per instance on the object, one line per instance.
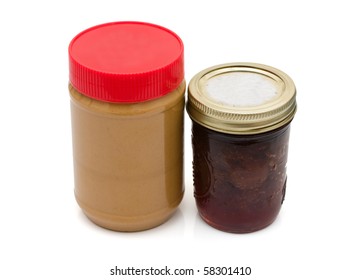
(127, 105)
(128, 159)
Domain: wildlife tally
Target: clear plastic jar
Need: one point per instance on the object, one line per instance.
(241, 122)
(127, 102)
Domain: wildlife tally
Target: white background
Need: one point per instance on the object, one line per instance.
(44, 234)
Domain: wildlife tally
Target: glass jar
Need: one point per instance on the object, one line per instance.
(127, 105)
(241, 115)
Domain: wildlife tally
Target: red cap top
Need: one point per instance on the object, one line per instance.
(126, 62)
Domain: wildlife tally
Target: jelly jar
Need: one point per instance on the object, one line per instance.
(241, 115)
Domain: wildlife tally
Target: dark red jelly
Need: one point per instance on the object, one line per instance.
(241, 115)
(239, 180)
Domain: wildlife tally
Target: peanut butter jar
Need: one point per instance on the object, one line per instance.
(241, 116)
(127, 107)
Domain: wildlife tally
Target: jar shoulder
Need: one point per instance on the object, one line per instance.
(164, 103)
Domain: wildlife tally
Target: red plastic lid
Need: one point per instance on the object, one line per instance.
(126, 61)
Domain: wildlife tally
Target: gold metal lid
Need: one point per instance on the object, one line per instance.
(241, 98)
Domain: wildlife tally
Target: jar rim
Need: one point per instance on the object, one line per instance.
(251, 119)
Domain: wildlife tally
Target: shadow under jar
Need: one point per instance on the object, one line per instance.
(241, 117)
